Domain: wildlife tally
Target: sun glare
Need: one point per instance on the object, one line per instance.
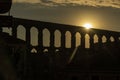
(87, 25)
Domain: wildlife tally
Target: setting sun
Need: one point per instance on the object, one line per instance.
(87, 25)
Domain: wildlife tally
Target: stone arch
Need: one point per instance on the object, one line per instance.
(95, 38)
(21, 32)
(104, 39)
(87, 41)
(68, 39)
(46, 37)
(57, 42)
(112, 39)
(34, 36)
(78, 39)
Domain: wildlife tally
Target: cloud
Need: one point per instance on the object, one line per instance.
(26, 1)
(95, 3)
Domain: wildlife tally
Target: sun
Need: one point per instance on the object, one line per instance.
(87, 25)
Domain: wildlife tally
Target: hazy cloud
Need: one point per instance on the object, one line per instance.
(26, 1)
(96, 3)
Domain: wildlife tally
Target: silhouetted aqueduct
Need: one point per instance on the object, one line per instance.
(60, 52)
(65, 52)
(61, 36)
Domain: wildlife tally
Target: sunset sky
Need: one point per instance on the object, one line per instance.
(103, 14)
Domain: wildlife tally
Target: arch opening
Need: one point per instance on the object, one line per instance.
(45, 50)
(104, 39)
(68, 39)
(7, 30)
(87, 41)
(34, 50)
(34, 36)
(57, 42)
(46, 37)
(95, 38)
(21, 32)
(112, 39)
(78, 39)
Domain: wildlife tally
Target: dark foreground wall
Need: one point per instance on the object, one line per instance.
(99, 63)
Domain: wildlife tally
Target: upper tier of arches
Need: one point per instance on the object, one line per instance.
(45, 34)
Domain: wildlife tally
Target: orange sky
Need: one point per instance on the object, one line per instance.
(103, 14)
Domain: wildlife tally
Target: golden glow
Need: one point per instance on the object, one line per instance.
(87, 25)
